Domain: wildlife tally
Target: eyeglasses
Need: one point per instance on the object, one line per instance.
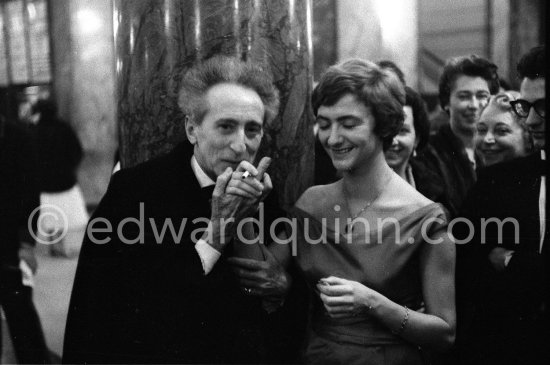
(523, 107)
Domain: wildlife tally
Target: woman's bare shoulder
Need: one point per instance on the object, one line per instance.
(317, 197)
(406, 195)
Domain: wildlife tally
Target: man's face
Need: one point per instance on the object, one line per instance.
(231, 130)
(533, 90)
(469, 95)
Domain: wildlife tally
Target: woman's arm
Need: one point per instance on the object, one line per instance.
(434, 329)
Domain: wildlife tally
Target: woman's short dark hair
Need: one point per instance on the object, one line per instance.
(376, 88)
(223, 69)
(390, 65)
(421, 122)
(473, 66)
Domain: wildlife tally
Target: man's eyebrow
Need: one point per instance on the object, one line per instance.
(255, 122)
(226, 120)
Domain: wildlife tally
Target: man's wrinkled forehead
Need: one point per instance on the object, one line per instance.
(233, 98)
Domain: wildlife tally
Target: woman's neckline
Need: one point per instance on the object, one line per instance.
(411, 215)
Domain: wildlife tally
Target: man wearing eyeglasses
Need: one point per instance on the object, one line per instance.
(503, 283)
(533, 97)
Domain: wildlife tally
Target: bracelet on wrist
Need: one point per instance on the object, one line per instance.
(404, 321)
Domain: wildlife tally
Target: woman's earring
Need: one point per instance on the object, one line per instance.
(414, 152)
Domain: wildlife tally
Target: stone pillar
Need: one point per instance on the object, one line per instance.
(83, 84)
(157, 40)
(499, 22)
(380, 29)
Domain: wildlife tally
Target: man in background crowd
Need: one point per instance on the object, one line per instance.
(465, 86)
(503, 272)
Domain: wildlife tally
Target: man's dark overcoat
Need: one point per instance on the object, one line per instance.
(503, 316)
(151, 302)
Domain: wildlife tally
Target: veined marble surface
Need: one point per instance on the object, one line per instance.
(157, 40)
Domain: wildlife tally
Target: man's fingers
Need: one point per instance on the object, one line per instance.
(222, 181)
(262, 167)
(252, 185)
(247, 166)
(249, 264)
(268, 256)
(241, 193)
(342, 315)
(268, 185)
(249, 283)
(252, 276)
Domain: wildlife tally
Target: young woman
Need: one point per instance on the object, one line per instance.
(374, 250)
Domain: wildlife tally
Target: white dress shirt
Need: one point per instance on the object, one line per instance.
(471, 156)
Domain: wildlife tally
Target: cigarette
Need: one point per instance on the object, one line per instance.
(245, 175)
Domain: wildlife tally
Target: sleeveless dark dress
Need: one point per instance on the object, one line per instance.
(384, 260)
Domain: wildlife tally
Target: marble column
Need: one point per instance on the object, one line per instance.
(380, 30)
(499, 21)
(157, 40)
(83, 85)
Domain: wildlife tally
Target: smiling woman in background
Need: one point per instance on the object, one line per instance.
(413, 135)
(412, 138)
(500, 134)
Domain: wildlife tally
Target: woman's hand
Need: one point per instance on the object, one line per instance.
(345, 298)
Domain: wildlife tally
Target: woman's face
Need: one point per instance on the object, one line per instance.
(403, 143)
(346, 131)
(499, 138)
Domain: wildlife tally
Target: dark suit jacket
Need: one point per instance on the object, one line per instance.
(427, 182)
(502, 315)
(446, 156)
(150, 302)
